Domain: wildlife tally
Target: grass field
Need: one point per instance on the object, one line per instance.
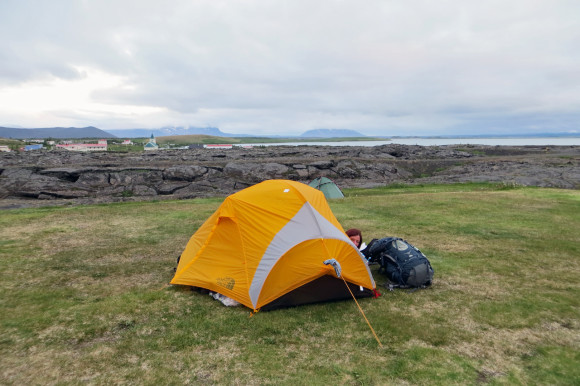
(84, 297)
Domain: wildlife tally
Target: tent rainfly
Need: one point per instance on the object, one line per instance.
(327, 186)
(269, 245)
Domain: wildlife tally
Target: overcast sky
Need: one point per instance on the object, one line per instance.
(390, 67)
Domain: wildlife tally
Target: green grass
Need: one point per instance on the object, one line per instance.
(13, 144)
(84, 297)
(125, 148)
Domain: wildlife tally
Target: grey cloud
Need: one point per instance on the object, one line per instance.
(416, 66)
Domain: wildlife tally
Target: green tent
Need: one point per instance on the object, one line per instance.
(327, 187)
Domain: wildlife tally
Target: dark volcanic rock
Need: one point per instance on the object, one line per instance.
(184, 172)
(30, 178)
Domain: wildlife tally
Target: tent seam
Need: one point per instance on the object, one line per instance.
(235, 220)
(211, 234)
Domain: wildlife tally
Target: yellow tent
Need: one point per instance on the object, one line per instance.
(265, 246)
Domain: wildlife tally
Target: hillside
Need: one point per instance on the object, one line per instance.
(170, 131)
(193, 139)
(54, 132)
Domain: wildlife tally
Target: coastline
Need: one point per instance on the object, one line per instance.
(442, 141)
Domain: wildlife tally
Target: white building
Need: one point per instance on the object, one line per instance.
(101, 145)
(218, 146)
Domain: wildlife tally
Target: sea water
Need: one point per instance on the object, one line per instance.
(519, 141)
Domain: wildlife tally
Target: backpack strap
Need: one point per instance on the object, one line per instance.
(366, 252)
(391, 287)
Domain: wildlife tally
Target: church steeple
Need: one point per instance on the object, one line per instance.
(152, 144)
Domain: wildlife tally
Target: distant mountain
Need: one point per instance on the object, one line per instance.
(172, 130)
(54, 132)
(331, 133)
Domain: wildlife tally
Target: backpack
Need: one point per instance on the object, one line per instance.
(405, 265)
